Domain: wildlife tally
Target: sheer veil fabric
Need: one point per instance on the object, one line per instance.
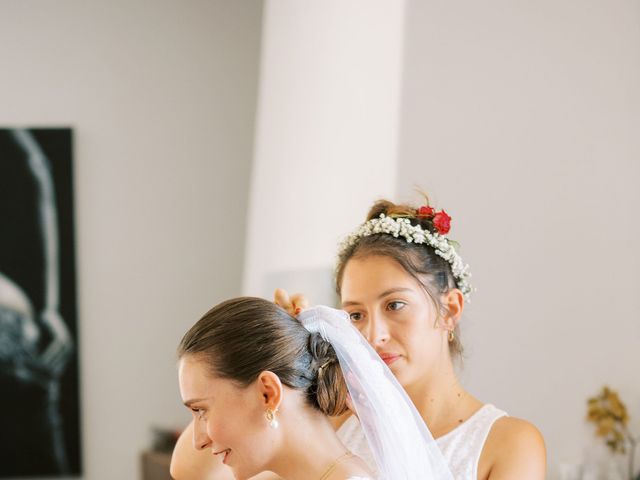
(402, 446)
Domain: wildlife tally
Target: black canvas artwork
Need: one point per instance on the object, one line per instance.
(39, 394)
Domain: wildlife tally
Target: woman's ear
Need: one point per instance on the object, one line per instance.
(270, 388)
(452, 305)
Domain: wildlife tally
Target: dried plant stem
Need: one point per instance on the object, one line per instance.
(634, 443)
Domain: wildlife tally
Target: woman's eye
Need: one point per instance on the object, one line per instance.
(355, 316)
(396, 305)
(199, 412)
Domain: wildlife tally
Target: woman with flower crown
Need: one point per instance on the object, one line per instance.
(404, 287)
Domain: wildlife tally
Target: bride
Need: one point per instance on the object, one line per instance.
(261, 384)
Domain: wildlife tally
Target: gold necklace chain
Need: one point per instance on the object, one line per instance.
(335, 463)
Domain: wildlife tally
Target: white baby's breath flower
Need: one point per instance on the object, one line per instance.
(401, 227)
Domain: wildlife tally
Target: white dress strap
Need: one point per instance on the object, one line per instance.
(463, 445)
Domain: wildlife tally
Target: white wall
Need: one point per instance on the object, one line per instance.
(161, 96)
(326, 137)
(523, 119)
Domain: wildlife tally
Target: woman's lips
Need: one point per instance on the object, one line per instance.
(389, 358)
(226, 454)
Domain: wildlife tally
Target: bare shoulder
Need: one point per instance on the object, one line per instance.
(514, 449)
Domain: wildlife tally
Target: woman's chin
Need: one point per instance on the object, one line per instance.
(239, 475)
(403, 374)
(398, 369)
(241, 472)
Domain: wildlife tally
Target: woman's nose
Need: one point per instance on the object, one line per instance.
(201, 439)
(377, 333)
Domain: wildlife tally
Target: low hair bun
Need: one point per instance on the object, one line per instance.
(328, 391)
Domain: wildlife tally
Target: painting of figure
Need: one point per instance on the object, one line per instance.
(39, 400)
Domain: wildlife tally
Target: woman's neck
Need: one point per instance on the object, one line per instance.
(311, 446)
(441, 400)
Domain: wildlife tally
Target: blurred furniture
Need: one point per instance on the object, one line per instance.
(155, 465)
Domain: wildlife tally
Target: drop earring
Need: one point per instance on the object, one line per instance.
(270, 415)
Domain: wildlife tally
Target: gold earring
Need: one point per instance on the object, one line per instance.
(270, 415)
(452, 336)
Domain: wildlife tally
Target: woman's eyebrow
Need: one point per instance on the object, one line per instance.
(393, 290)
(382, 295)
(348, 304)
(188, 403)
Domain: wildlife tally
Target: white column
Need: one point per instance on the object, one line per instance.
(326, 135)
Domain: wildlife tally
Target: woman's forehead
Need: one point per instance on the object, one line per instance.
(375, 275)
(372, 264)
(195, 376)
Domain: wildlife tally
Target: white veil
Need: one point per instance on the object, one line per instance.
(402, 446)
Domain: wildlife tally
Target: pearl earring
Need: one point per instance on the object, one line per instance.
(270, 415)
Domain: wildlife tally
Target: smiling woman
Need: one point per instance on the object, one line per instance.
(213, 399)
(260, 387)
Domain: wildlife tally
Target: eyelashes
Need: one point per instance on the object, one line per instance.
(199, 412)
(398, 305)
(392, 306)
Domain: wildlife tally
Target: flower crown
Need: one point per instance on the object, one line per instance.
(400, 226)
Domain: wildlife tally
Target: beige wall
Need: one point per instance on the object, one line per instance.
(522, 119)
(161, 96)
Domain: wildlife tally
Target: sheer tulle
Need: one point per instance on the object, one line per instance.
(402, 446)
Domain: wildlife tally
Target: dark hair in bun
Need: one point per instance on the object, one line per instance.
(242, 337)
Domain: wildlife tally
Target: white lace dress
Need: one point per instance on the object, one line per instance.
(461, 447)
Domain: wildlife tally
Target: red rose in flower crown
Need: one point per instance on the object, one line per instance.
(426, 211)
(442, 222)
